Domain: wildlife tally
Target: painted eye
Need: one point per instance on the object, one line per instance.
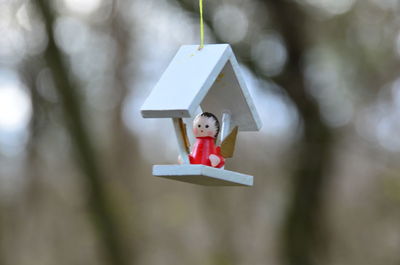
(199, 125)
(207, 126)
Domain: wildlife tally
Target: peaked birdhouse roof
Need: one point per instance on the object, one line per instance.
(209, 78)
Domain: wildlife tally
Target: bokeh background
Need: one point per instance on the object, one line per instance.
(76, 156)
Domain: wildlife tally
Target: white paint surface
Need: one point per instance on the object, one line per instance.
(209, 78)
(202, 175)
(226, 125)
(181, 143)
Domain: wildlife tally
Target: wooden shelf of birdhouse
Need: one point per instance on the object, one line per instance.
(202, 175)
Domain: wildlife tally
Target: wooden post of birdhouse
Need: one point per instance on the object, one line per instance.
(182, 139)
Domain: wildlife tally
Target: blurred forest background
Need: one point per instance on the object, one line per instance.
(76, 156)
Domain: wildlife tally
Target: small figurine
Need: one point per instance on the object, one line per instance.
(206, 129)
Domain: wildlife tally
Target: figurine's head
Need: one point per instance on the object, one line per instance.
(206, 125)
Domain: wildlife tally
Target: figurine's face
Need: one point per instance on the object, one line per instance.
(204, 127)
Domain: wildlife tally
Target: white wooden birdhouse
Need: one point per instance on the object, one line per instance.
(208, 79)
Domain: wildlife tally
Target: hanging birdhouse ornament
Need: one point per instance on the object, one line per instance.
(209, 80)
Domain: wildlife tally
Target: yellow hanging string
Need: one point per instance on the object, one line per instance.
(201, 25)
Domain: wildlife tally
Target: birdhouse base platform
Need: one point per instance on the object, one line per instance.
(202, 175)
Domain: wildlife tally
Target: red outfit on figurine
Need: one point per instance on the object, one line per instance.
(202, 149)
(206, 129)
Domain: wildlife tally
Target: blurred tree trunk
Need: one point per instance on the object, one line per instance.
(99, 202)
(122, 142)
(305, 233)
(127, 163)
(30, 70)
(219, 218)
